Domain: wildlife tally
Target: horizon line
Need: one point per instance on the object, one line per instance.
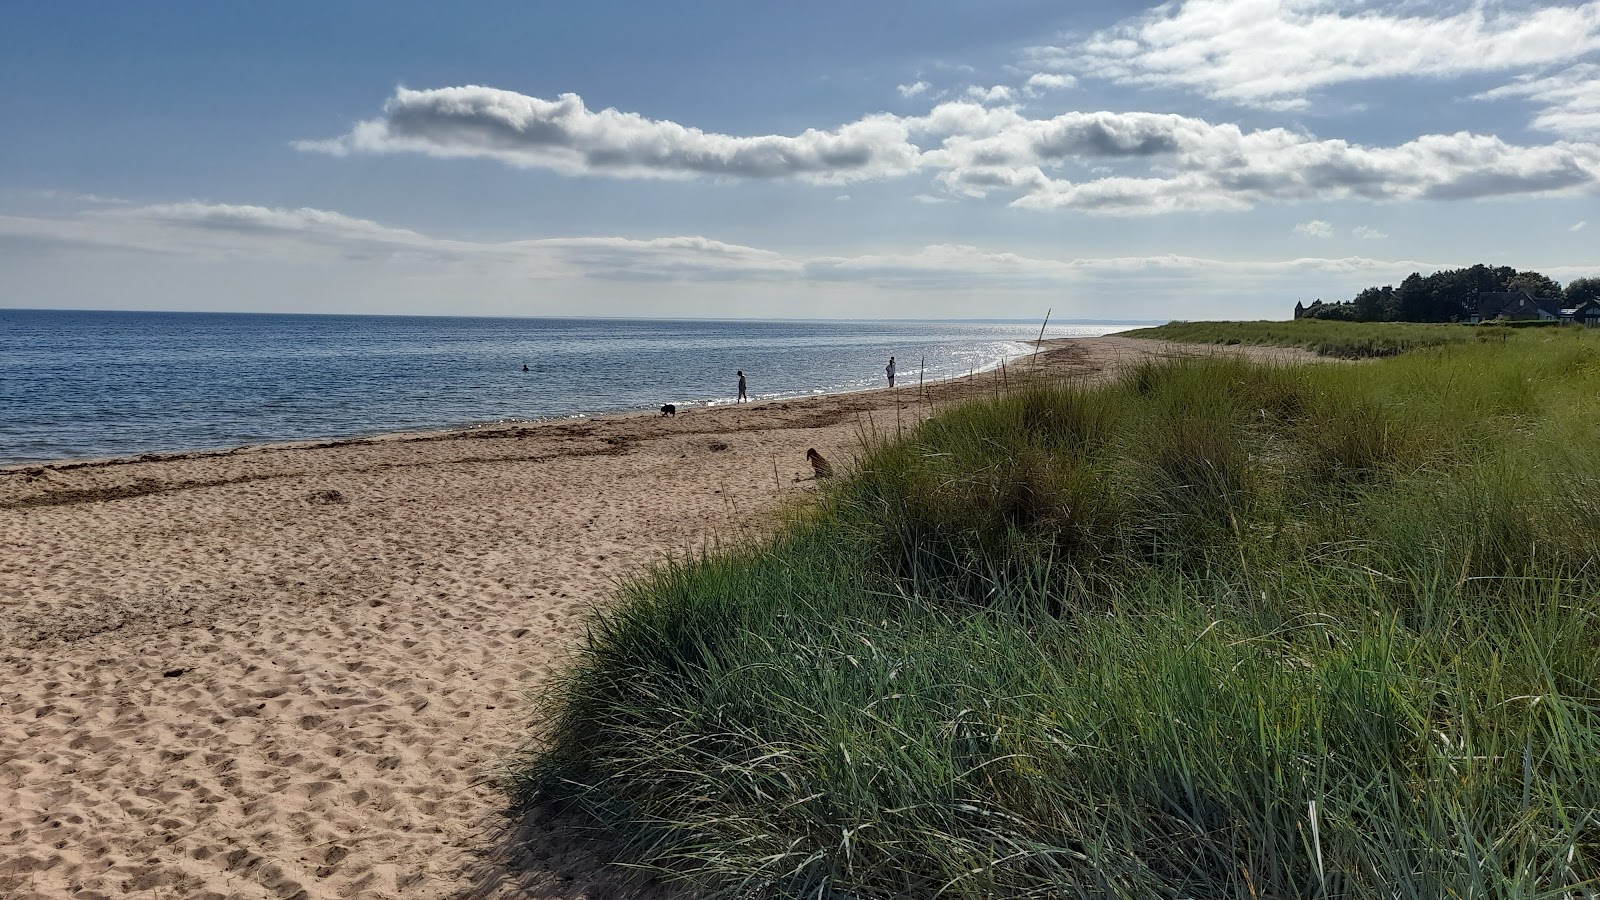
(238, 312)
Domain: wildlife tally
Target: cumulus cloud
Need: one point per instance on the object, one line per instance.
(566, 136)
(1579, 225)
(1368, 233)
(1315, 228)
(1192, 164)
(997, 94)
(1271, 53)
(1571, 99)
(1167, 162)
(911, 90)
(1039, 82)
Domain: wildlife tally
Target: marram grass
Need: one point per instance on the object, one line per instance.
(1349, 340)
(1216, 630)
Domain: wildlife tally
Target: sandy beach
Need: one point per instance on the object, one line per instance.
(289, 671)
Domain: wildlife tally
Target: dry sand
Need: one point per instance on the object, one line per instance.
(285, 671)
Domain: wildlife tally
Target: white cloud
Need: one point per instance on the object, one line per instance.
(1191, 164)
(209, 231)
(203, 231)
(214, 230)
(911, 90)
(1039, 82)
(77, 197)
(1315, 228)
(997, 94)
(156, 236)
(1571, 99)
(1167, 162)
(189, 254)
(564, 135)
(690, 258)
(930, 199)
(1271, 53)
(954, 266)
(1368, 233)
(1579, 225)
(842, 198)
(221, 216)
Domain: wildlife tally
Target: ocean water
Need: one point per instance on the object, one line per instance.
(92, 384)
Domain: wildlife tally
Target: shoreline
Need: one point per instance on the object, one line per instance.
(296, 668)
(432, 432)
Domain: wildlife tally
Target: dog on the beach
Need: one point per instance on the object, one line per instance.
(820, 466)
(669, 409)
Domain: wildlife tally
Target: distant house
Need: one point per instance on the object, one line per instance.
(1516, 306)
(1586, 314)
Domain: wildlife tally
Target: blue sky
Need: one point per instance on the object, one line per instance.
(1197, 159)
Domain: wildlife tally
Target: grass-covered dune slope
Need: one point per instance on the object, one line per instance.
(1215, 630)
(1348, 340)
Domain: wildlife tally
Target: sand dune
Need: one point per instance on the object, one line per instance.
(283, 672)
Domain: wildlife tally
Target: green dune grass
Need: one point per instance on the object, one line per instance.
(1348, 340)
(1215, 630)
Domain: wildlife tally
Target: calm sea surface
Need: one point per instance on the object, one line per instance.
(88, 384)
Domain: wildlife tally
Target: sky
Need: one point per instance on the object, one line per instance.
(1197, 159)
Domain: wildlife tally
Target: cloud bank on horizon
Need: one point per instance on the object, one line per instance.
(1188, 155)
(197, 229)
(200, 232)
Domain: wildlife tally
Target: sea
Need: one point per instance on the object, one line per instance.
(80, 384)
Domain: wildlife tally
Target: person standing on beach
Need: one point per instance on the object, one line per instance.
(890, 371)
(742, 397)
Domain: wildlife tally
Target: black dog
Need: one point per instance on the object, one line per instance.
(669, 410)
(821, 467)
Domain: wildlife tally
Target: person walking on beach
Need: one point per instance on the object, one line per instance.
(742, 397)
(890, 371)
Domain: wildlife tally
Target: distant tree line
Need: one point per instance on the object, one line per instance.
(1449, 295)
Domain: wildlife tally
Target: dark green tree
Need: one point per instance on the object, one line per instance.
(1448, 295)
(1533, 284)
(1368, 306)
(1414, 302)
(1338, 312)
(1582, 290)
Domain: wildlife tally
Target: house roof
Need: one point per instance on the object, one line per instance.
(1508, 303)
